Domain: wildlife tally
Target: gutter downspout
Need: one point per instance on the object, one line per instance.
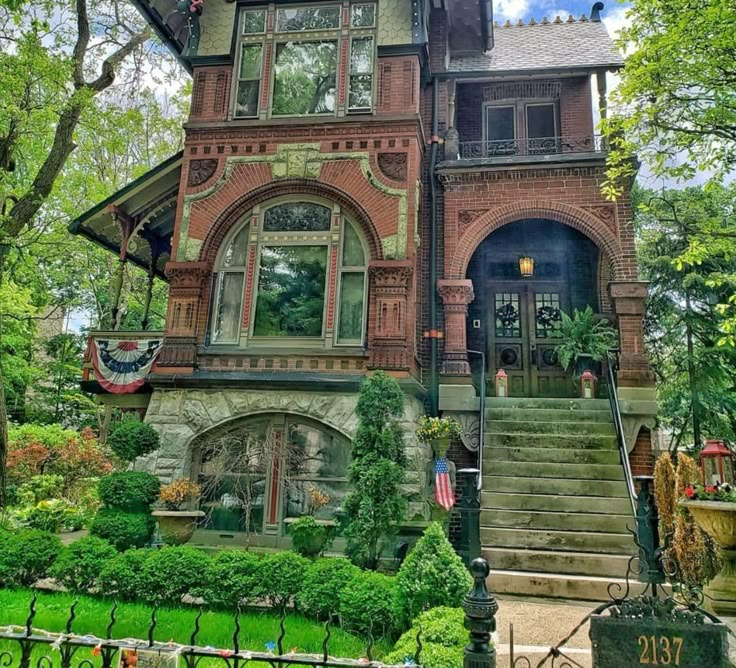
(432, 292)
(482, 406)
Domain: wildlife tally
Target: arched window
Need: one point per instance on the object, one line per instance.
(307, 282)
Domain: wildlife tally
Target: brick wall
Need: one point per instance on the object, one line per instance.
(210, 93)
(641, 457)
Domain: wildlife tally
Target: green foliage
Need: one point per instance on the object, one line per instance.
(375, 504)
(50, 515)
(133, 439)
(281, 575)
(171, 572)
(79, 564)
(232, 578)
(323, 583)
(368, 604)
(443, 638)
(120, 577)
(40, 488)
(129, 490)
(26, 556)
(432, 575)
(308, 537)
(584, 335)
(123, 529)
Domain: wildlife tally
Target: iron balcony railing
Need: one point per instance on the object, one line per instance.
(537, 146)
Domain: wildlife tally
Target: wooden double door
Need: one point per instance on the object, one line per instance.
(521, 336)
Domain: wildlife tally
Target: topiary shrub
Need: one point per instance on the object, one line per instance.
(26, 556)
(171, 572)
(432, 574)
(233, 577)
(368, 604)
(123, 529)
(121, 576)
(282, 574)
(79, 564)
(443, 638)
(133, 439)
(323, 583)
(133, 491)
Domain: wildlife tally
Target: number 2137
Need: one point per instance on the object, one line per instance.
(659, 651)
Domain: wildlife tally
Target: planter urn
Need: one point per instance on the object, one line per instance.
(718, 519)
(177, 526)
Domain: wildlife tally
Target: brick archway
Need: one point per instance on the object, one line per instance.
(573, 216)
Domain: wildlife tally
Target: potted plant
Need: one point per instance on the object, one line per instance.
(584, 340)
(714, 509)
(438, 432)
(310, 537)
(176, 526)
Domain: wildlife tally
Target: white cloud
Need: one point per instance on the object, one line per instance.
(510, 9)
(615, 20)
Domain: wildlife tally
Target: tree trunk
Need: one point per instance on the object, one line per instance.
(3, 417)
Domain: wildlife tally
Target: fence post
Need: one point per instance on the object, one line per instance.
(480, 619)
(469, 508)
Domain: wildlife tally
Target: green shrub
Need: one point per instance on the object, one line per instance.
(79, 564)
(282, 574)
(129, 490)
(309, 538)
(443, 638)
(123, 529)
(40, 488)
(232, 577)
(368, 604)
(26, 556)
(133, 439)
(171, 572)
(121, 575)
(432, 574)
(319, 595)
(49, 515)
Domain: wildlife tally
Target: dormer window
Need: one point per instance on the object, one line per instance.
(305, 61)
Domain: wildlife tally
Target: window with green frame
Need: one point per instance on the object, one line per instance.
(290, 251)
(305, 65)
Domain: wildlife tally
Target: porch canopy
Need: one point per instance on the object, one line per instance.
(143, 212)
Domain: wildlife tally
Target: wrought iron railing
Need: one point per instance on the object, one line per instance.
(537, 146)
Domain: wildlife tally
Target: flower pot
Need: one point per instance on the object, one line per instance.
(718, 519)
(440, 446)
(177, 526)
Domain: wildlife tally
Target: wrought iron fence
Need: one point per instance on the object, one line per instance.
(532, 146)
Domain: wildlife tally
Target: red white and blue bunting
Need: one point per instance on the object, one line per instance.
(121, 366)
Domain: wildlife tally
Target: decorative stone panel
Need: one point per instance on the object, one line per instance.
(389, 345)
(456, 295)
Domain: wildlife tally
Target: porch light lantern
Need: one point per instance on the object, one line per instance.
(502, 384)
(526, 266)
(716, 463)
(587, 385)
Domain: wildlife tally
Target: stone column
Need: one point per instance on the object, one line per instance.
(456, 295)
(628, 299)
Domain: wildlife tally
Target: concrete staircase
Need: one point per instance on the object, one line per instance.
(554, 505)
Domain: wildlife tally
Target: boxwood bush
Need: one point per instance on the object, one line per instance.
(282, 574)
(26, 556)
(123, 529)
(323, 583)
(121, 576)
(368, 604)
(133, 491)
(79, 564)
(133, 439)
(169, 573)
(233, 577)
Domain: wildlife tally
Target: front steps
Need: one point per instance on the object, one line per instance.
(554, 505)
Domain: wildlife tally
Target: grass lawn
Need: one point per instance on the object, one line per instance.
(216, 628)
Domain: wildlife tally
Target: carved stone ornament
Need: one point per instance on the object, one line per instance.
(388, 274)
(201, 171)
(469, 428)
(605, 213)
(456, 291)
(393, 165)
(187, 274)
(468, 216)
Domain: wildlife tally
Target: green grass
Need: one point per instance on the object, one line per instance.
(133, 619)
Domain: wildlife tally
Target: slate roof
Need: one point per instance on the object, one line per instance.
(540, 45)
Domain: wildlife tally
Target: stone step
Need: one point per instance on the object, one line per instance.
(558, 404)
(535, 519)
(557, 504)
(555, 486)
(550, 561)
(554, 470)
(561, 455)
(544, 428)
(569, 441)
(548, 539)
(548, 415)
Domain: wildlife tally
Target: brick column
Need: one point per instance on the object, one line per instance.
(456, 295)
(628, 300)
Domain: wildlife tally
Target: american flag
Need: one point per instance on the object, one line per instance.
(443, 488)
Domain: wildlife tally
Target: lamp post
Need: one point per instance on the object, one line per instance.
(716, 463)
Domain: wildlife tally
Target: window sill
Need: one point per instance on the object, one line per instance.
(281, 351)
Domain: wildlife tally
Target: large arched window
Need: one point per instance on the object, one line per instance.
(294, 270)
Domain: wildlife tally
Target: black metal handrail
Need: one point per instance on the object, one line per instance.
(532, 146)
(611, 367)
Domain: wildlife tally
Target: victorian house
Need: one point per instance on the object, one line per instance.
(401, 185)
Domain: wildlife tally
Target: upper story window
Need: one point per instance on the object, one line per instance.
(294, 54)
(306, 265)
(521, 127)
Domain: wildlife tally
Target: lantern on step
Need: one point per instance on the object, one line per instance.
(502, 384)
(716, 463)
(587, 385)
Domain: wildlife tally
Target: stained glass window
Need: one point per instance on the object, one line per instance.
(249, 80)
(308, 18)
(361, 73)
(297, 217)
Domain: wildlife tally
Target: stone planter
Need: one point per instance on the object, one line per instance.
(718, 519)
(177, 526)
